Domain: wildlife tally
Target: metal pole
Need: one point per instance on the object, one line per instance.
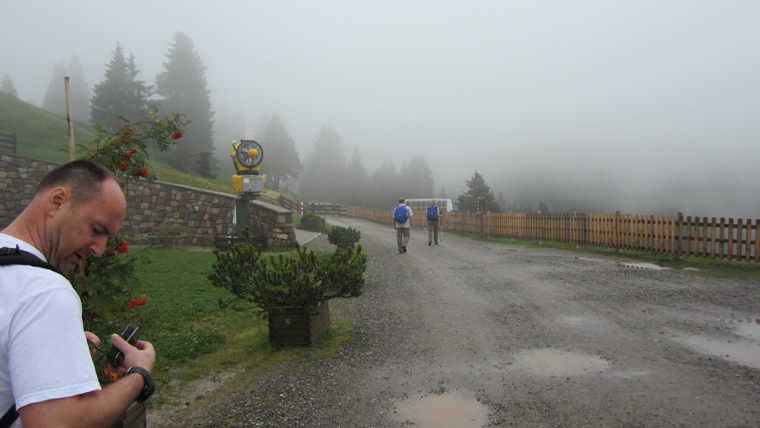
(72, 147)
(243, 213)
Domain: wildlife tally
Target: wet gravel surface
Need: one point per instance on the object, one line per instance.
(471, 334)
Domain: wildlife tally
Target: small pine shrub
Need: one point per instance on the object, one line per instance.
(343, 235)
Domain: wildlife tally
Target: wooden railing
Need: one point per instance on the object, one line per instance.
(288, 203)
(677, 235)
(323, 208)
(8, 143)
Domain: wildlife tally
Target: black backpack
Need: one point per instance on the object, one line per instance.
(15, 256)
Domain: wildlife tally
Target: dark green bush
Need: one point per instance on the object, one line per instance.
(284, 281)
(343, 235)
(312, 222)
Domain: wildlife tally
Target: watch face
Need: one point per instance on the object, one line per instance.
(249, 153)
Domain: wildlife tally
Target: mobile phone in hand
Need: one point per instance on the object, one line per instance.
(130, 334)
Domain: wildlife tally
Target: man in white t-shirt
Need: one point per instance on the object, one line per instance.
(46, 369)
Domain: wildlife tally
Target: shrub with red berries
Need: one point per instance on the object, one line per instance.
(124, 151)
(107, 285)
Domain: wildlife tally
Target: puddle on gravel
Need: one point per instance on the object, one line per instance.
(553, 362)
(447, 410)
(751, 331)
(574, 321)
(651, 266)
(744, 350)
(632, 374)
(588, 259)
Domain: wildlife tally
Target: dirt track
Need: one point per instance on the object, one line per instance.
(471, 334)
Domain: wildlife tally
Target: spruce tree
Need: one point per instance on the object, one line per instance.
(55, 99)
(183, 89)
(79, 92)
(323, 177)
(120, 97)
(7, 87)
(385, 187)
(358, 191)
(417, 178)
(282, 163)
(477, 186)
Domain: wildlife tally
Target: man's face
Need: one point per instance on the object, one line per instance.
(76, 232)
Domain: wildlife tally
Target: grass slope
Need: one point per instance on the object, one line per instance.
(45, 136)
(39, 133)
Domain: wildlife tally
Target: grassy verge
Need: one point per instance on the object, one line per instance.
(195, 337)
(712, 268)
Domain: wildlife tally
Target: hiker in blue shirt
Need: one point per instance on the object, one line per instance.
(402, 222)
(433, 216)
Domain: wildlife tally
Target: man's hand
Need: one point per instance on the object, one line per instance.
(93, 342)
(141, 355)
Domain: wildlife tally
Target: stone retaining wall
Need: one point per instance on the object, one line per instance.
(154, 206)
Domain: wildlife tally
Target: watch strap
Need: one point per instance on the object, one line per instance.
(149, 387)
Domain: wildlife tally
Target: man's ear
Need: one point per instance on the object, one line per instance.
(57, 197)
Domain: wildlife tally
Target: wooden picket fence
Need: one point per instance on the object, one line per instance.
(676, 235)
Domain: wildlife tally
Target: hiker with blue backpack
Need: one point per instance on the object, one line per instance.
(433, 216)
(402, 222)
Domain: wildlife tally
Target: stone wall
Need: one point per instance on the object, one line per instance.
(18, 181)
(155, 208)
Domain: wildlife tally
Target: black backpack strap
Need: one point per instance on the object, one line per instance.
(9, 417)
(16, 256)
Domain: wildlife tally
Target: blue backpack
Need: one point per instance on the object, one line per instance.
(400, 214)
(432, 212)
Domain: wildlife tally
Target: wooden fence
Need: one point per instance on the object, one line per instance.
(8, 143)
(323, 208)
(288, 203)
(677, 235)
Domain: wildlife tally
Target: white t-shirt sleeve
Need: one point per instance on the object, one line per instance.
(49, 355)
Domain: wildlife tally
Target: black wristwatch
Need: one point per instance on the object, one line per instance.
(149, 387)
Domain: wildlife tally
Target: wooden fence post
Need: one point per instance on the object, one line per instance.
(679, 233)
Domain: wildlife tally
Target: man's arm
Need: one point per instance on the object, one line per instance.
(93, 409)
(97, 408)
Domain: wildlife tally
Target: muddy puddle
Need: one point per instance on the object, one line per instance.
(554, 362)
(650, 266)
(447, 410)
(742, 347)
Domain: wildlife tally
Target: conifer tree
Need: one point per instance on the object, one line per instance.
(282, 162)
(79, 91)
(477, 186)
(120, 95)
(6, 87)
(385, 187)
(417, 178)
(55, 99)
(183, 89)
(324, 170)
(358, 191)
(229, 126)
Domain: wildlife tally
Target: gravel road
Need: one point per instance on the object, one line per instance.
(473, 334)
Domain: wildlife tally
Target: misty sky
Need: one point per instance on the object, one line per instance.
(640, 106)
